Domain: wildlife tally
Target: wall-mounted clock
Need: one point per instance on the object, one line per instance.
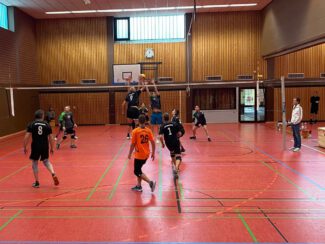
(149, 53)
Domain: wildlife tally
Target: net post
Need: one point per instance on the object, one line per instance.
(284, 119)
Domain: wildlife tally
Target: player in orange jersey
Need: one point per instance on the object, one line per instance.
(141, 137)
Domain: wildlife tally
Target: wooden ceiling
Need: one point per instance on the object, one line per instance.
(37, 8)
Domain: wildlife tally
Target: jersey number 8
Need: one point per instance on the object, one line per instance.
(40, 130)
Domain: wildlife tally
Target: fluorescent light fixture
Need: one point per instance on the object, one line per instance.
(59, 12)
(154, 9)
(185, 7)
(84, 11)
(110, 10)
(135, 9)
(162, 8)
(243, 5)
(216, 6)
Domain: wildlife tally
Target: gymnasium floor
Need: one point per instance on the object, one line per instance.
(239, 188)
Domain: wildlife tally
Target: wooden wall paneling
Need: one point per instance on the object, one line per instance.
(310, 61)
(227, 44)
(88, 108)
(72, 49)
(169, 100)
(171, 54)
(304, 93)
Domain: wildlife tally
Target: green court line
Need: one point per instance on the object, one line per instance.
(105, 172)
(15, 172)
(160, 174)
(181, 191)
(110, 197)
(247, 227)
(10, 220)
(290, 181)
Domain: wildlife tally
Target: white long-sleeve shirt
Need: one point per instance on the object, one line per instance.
(297, 113)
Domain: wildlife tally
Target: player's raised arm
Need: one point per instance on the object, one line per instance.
(155, 87)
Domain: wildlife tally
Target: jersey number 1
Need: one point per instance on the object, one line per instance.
(170, 132)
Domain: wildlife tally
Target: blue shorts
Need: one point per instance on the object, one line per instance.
(156, 118)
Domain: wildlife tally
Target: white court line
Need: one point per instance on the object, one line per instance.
(313, 149)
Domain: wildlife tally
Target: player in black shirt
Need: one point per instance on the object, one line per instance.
(314, 100)
(169, 134)
(143, 110)
(40, 131)
(155, 104)
(68, 126)
(176, 120)
(199, 121)
(132, 100)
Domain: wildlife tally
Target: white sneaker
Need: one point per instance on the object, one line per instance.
(291, 148)
(297, 149)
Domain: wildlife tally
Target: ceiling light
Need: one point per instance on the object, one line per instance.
(59, 12)
(110, 10)
(216, 6)
(135, 9)
(84, 11)
(185, 7)
(162, 8)
(243, 5)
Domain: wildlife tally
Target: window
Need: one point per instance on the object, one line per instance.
(4, 16)
(150, 28)
(122, 29)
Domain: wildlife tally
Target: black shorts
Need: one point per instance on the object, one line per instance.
(39, 153)
(314, 109)
(138, 163)
(69, 131)
(199, 124)
(174, 148)
(132, 113)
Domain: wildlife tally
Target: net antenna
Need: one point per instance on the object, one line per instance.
(188, 35)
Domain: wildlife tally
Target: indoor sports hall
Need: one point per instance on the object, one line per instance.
(162, 121)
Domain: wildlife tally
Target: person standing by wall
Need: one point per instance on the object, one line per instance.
(296, 119)
(314, 102)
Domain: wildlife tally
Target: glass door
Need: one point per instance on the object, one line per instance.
(252, 105)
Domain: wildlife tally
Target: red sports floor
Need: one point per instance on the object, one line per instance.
(241, 187)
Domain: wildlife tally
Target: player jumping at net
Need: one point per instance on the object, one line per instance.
(155, 104)
(68, 126)
(141, 136)
(176, 119)
(42, 142)
(199, 121)
(169, 134)
(132, 101)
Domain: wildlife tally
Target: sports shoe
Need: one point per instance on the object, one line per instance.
(137, 188)
(35, 184)
(128, 136)
(55, 180)
(73, 146)
(152, 185)
(291, 148)
(209, 139)
(297, 149)
(192, 137)
(58, 146)
(183, 149)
